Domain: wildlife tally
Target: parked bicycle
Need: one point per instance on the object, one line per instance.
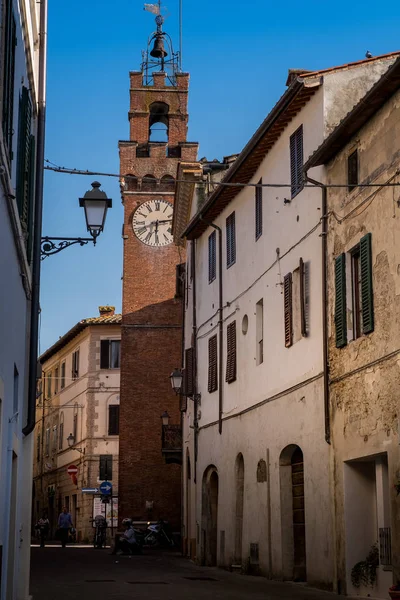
(159, 534)
(100, 531)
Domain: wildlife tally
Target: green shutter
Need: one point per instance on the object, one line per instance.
(31, 195)
(340, 301)
(366, 284)
(23, 158)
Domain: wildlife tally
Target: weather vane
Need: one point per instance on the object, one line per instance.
(156, 9)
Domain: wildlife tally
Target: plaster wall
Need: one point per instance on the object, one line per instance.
(365, 373)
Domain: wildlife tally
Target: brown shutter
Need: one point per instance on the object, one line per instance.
(212, 364)
(231, 352)
(189, 368)
(302, 299)
(287, 285)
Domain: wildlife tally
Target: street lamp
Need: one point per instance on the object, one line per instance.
(95, 204)
(165, 418)
(71, 443)
(176, 379)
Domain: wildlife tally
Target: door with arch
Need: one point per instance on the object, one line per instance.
(209, 525)
(291, 465)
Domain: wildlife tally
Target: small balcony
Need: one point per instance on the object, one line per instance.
(172, 444)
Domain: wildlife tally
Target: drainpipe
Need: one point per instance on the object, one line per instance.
(194, 330)
(324, 234)
(183, 299)
(221, 331)
(37, 235)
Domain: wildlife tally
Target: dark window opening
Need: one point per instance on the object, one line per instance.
(110, 354)
(113, 419)
(356, 292)
(231, 352)
(352, 170)
(105, 471)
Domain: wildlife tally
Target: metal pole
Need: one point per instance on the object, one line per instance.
(180, 35)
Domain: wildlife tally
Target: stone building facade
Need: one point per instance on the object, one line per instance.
(256, 430)
(150, 485)
(79, 398)
(364, 332)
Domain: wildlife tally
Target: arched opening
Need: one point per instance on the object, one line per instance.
(209, 529)
(131, 183)
(167, 183)
(239, 468)
(291, 469)
(158, 122)
(149, 183)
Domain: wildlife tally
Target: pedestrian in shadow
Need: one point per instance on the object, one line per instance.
(43, 526)
(64, 525)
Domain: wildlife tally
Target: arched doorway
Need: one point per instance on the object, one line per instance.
(291, 463)
(239, 468)
(209, 529)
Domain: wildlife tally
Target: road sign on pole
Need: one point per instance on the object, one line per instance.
(106, 488)
(72, 470)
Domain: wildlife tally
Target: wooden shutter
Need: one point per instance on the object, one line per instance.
(302, 299)
(288, 308)
(8, 75)
(258, 211)
(105, 467)
(212, 364)
(113, 419)
(104, 354)
(296, 161)
(23, 158)
(230, 240)
(340, 301)
(367, 300)
(212, 257)
(231, 352)
(352, 170)
(189, 368)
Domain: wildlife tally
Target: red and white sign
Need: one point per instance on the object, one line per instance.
(72, 470)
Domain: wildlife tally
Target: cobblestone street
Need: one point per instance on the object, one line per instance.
(75, 573)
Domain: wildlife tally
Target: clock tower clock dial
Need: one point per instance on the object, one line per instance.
(152, 223)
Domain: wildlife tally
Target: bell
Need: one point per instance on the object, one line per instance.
(159, 50)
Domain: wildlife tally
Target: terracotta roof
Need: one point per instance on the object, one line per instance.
(75, 330)
(350, 65)
(248, 161)
(380, 92)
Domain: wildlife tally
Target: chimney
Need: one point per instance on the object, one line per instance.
(106, 311)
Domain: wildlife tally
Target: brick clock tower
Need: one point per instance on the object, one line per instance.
(151, 347)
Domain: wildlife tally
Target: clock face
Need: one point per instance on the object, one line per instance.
(152, 223)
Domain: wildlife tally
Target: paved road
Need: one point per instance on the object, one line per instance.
(80, 573)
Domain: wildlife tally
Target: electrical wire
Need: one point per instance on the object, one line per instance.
(58, 169)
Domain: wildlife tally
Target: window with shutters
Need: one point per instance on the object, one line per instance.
(10, 42)
(47, 442)
(105, 471)
(300, 302)
(288, 309)
(61, 433)
(56, 379)
(110, 354)
(75, 365)
(25, 167)
(259, 332)
(212, 364)
(230, 240)
(189, 371)
(113, 419)
(55, 438)
(231, 352)
(212, 256)
(259, 211)
(360, 296)
(296, 161)
(48, 385)
(352, 170)
(62, 382)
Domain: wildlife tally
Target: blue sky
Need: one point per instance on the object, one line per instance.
(237, 53)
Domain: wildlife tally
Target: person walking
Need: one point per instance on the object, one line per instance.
(64, 525)
(43, 526)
